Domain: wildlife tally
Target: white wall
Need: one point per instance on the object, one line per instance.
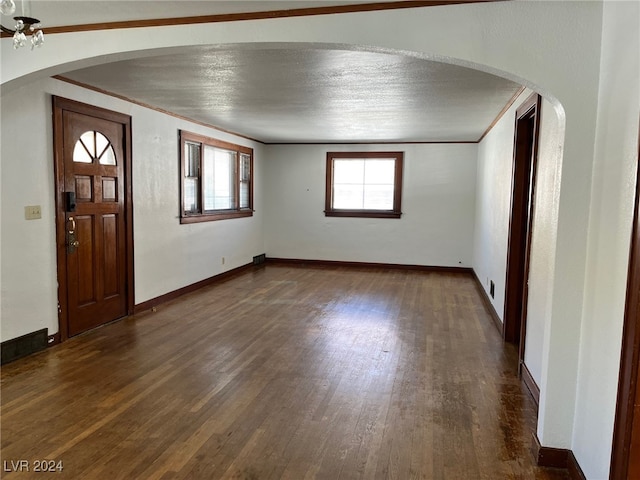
(493, 204)
(542, 258)
(493, 209)
(612, 200)
(167, 255)
(436, 227)
(28, 269)
(613, 187)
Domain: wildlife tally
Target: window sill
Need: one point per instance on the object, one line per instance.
(362, 213)
(212, 217)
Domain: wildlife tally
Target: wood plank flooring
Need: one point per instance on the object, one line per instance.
(284, 372)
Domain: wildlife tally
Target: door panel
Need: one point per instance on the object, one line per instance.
(80, 265)
(110, 258)
(91, 156)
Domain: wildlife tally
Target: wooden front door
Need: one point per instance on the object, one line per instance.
(93, 215)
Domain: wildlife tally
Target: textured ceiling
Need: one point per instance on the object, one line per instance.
(286, 93)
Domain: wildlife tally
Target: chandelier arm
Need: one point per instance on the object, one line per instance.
(7, 30)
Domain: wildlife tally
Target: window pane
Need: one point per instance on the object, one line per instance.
(83, 147)
(101, 144)
(363, 183)
(89, 140)
(226, 179)
(80, 154)
(108, 157)
(348, 197)
(245, 180)
(244, 195)
(219, 178)
(379, 171)
(378, 197)
(192, 159)
(350, 171)
(191, 189)
(191, 195)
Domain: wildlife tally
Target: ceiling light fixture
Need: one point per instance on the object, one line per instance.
(24, 26)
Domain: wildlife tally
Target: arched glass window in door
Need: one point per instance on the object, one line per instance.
(94, 146)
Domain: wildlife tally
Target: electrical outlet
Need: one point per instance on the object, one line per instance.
(32, 212)
(492, 289)
(223, 260)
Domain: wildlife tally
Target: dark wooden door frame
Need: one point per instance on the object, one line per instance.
(630, 355)
(525, 155)
(60, 105)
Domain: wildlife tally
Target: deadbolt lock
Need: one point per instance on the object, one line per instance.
(72, 243)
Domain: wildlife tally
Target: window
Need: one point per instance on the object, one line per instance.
(217, 179)
(93, 146)
(364, 184)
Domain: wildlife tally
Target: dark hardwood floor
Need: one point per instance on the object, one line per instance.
(284, 372)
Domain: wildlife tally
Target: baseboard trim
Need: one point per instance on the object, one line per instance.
(557, 458)
(531, 384)
(24, 345)
(549, 456)
(338, 263)
(167, 297)
(487, 302)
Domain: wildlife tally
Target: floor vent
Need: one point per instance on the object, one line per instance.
(22, 346)
(259, 259)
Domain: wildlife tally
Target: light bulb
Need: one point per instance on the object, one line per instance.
(7, 7)
(37, 39)
(19, 40)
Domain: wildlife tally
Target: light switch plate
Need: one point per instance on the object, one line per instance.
(32, 212)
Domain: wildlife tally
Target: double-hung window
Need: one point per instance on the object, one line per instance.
(217, 180)
(364, 184)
